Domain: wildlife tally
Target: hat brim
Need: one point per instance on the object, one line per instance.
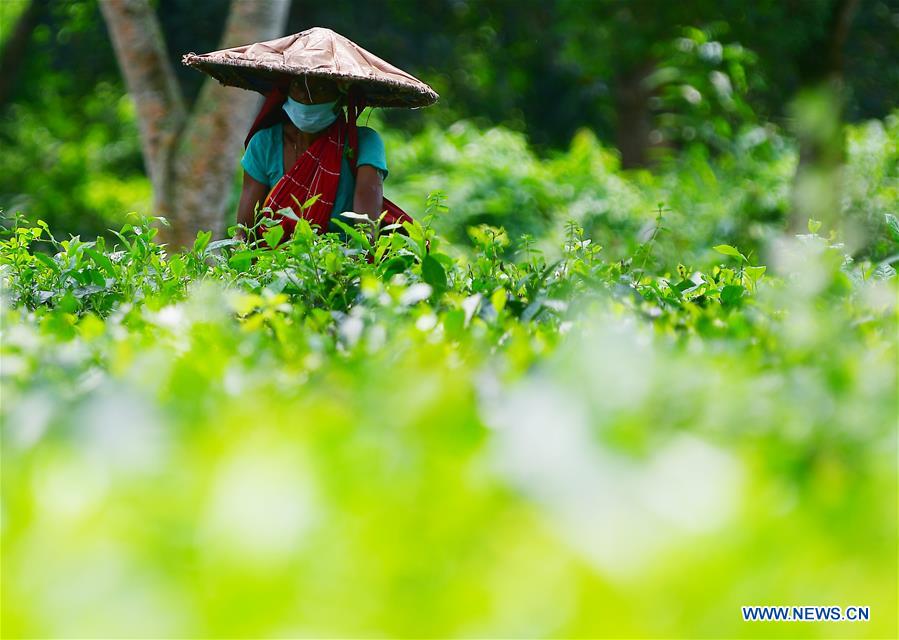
(254, 76)
(318, 52)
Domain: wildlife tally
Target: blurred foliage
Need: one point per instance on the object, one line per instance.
(76, 160)
(81, 175)
(9, 13)
(871, 184)
(375, 438)
(740, 194)
(71, 149)
(545, 67)
(701, 88)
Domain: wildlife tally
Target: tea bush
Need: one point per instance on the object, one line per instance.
(394, 435)
(741, 195)
(83, 181)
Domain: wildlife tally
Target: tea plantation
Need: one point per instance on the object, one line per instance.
(399, 435)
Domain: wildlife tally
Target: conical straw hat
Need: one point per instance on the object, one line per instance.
(319, 52)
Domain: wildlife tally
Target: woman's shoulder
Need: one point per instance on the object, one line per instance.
(370, 143)
(371, 150)
(265, 137)
(367, 134)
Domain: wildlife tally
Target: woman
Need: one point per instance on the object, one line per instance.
(303, 148)
(312, 106)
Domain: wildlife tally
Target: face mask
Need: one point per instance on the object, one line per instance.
(310, 118)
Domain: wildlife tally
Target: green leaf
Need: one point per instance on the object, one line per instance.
(381, 248)
(414, 247)
(68, 303)
(176, 265)
(433, 273)
(241, 260)
(755, 272)
(498, 299)
(218, 244)
(892, 225)
(731, 295)
(303, 230)
(332, 263)
(287, 212)
(203, 238)
(359, 238)
(305, 205)
(119, 235)
(101, 261)
(273, 236)
(728, 250)
(446, 260)
(454, 323)
(813, 225)
(394, 265)
(47, 260)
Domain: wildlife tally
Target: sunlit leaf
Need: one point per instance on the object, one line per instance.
(433, 273)
(728, 250)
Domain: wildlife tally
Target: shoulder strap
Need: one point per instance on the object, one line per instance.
(354, 107)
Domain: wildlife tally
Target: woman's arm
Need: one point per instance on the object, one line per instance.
(252, 194)
(369, 195)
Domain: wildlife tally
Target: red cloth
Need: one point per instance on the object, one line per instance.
(317, 170)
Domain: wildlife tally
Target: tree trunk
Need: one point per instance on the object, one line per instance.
(817, 112)
(633, 116)
(140, 50)
(190, 157)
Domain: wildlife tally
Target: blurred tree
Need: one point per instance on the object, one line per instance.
(818, 115)
(622, 42)
(72, 147)
(190, 154)
(701, 85)
(14, 47)
(871, 71)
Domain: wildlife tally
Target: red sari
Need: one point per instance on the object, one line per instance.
(317, 171)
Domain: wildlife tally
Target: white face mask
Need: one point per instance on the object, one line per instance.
(310, 118)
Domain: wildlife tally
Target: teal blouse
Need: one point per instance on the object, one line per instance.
(264, 161)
